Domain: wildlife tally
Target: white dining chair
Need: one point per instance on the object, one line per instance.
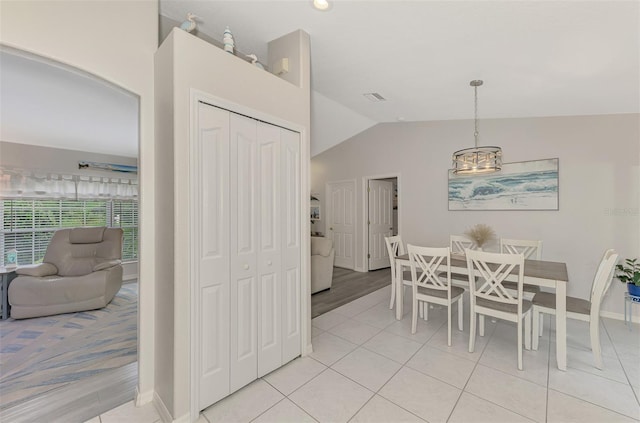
(457, 245)
(578, 308)
(530, 249)
(428, 287)
(489, 297)
(395, 248)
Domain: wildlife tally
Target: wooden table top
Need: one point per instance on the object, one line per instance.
(540, 269)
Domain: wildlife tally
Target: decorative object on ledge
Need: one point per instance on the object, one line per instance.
(190, 24)
(281, 66)
(11, 259)
(531, 185)
(254, 61)
(481, 234)
(227, 40)
(477, 160)
(111, 167)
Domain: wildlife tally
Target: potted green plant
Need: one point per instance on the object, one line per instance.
(629, 273)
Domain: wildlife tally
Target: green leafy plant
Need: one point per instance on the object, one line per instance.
(629, 271)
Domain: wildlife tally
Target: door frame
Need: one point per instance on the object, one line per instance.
(198, 96)
(365, 213)
(329, 213)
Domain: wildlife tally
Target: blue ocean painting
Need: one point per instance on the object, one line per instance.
(529, 185)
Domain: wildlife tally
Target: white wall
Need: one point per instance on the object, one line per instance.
(184, 63)
(345, 123)
(114, 40)
(599, 185)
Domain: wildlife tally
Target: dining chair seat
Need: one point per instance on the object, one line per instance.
(531, 289)
(456, 276)
(438, 293)
(507, 308)
(574, 305)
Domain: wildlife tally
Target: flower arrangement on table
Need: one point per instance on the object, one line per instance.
(481, 234)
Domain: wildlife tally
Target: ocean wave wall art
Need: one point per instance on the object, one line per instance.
(529, 185)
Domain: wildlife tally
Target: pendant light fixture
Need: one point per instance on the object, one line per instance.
(475, 160)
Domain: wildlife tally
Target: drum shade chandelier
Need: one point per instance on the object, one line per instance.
(476, 160)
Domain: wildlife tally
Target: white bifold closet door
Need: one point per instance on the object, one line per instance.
(262, 331)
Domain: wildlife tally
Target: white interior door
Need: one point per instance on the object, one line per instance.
(210, 152)
(270, 253)
(244, 251)
(380, 222)
(292, 285)
(341, 222)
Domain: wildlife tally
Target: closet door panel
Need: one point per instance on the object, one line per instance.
(210, 194)
(244, 251)
(269, 255)
(291, 338)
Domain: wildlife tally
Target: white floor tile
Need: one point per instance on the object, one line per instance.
(607, 393)
(380, 410)
(129, 413)
(567, 409)
(379, 316)
(328, 348)
(96, 419)
(331, 397)
(367, 368)
(584, 360)
(328, 320)
(284, 412)
(442, 365)
(395, 347)
(518, 395)
(424, 330)
(245, 404)
(578, 337)
(354, 331)
(295, 374)
(316, 331)
(460, 342)
(424, 396)
(473, 409)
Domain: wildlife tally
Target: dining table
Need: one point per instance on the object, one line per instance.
(549, 274)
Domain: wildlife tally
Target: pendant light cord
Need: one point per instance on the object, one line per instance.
(476, 134)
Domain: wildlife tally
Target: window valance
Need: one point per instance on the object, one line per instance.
(20, 183)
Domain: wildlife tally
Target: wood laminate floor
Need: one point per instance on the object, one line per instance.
(347, 286)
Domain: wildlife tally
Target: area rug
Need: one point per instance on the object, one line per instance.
(41, 354)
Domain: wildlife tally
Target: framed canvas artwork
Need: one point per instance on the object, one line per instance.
(531, 185)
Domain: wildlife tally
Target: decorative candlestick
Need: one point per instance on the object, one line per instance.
(227, 40)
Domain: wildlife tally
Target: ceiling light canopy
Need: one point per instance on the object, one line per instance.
(477, 160)
(322, 5)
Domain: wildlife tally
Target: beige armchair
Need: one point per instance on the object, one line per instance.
(81, 271)
(322, 255)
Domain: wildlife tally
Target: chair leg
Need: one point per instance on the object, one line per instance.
(393, 293)
(472, 332)
(520, 344)
(537, 326)
(460, 314)
(414, 315)
(481, 324)
(527, 331)
(594, 328)
(425, 313)
(449, 324)
(541, 324)
(421, 310)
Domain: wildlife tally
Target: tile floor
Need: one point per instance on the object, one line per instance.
(367, 367)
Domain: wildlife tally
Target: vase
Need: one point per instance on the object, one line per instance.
(633, 289)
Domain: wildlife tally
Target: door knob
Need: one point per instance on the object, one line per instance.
(246, 267)
(390, 229)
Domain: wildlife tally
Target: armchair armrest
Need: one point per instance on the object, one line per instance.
(106, 265)
(38, 270)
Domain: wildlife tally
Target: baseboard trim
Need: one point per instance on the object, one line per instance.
(308, 350)
(618, 316)
(162, 409)
(143, 398)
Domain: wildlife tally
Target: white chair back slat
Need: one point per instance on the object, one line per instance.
(426, 265)
(493, 269)
(395, 248)
(603, 277)
(459, 243)
(528, 248)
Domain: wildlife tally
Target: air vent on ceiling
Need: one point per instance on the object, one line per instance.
(374, 97)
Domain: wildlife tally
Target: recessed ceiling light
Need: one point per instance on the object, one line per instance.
(322, 5)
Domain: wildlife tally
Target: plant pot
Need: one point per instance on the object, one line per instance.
(633, 289)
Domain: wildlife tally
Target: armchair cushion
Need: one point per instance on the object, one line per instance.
(86, 235)
(106, 264)
(38, 270)
(321, 246)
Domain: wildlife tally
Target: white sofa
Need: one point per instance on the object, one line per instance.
(322, 255)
